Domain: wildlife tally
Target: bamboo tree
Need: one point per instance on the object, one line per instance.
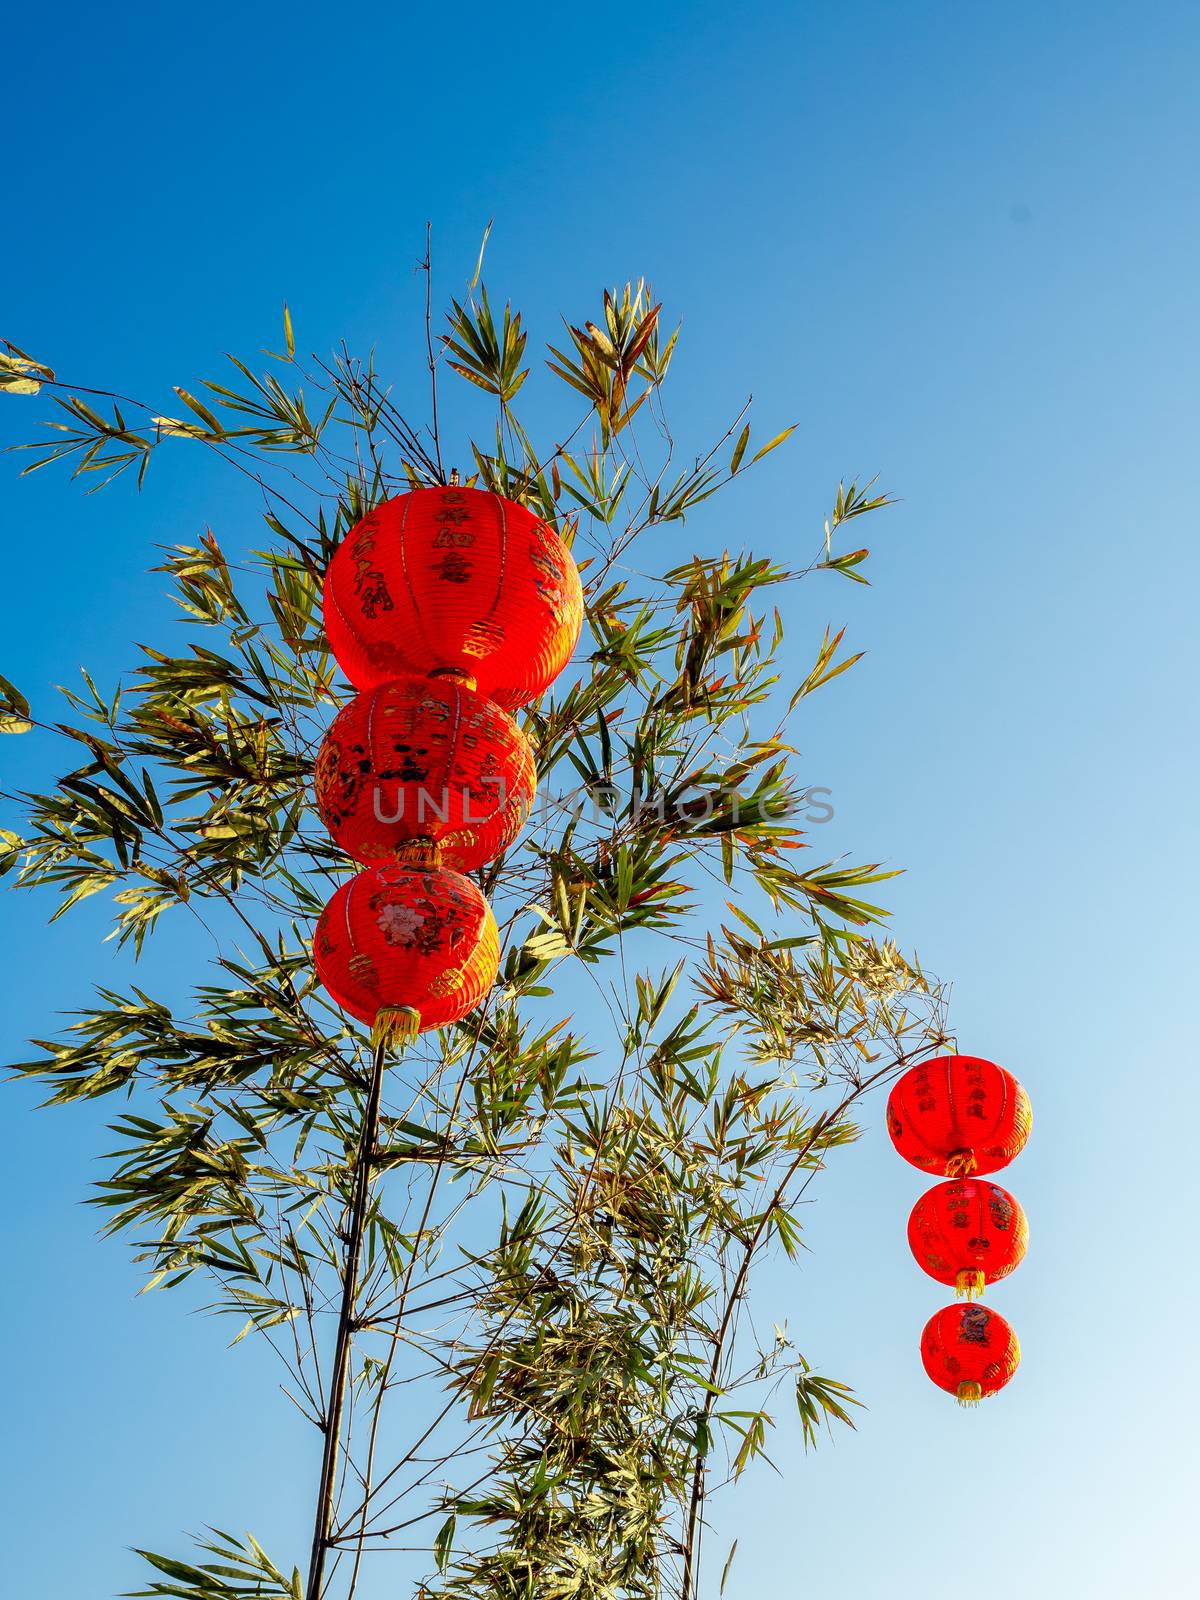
(551, 1228)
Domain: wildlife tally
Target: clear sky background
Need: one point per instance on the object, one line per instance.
(958, 245)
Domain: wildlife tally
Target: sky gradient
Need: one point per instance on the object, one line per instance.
(959, 248)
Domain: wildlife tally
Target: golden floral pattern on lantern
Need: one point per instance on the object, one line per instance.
(967, 1233)
(970, 1351)
(958, 1115)
(421, 758)
(454, 578)
(395, 939)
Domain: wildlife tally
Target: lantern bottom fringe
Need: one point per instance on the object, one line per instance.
(395, 1026)
(960, 1163)
(970, 1281)
(969, 1393)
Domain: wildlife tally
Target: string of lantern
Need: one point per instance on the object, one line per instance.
(447, 608)
(964, 1118)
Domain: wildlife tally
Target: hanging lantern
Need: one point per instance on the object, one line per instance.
(958, 1115)
(424, 759)
(457, 582)
(970, 1351)
(968, 1233)
(406, 950)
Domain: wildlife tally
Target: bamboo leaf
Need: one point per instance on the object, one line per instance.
(726, 1567)
(773, 443)
(14, 709)
(479, 263)
(201, 410)
(443, 1544)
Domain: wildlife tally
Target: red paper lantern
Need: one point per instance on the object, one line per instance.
(958, 1115)
(970, 1351)
(424, 759)
(454, 581)
(968, 1233)
(406, 950)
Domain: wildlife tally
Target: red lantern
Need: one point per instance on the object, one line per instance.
(456, 582)
(968, 1233)
(970, 1351)
(958, 1115)
(424, 759)
(406, 950)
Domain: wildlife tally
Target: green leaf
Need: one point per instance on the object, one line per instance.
(479, 264)
(444, 1542)
(726, 1567)
(201, 410)
(846, 564)
(12, 697)
(17, 371)
(11, 845)
(821, 1400)
(774, 443)
(14, 709)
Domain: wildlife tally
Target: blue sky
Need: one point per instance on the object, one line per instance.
(959, 247)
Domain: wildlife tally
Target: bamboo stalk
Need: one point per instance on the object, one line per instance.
(345, 1330)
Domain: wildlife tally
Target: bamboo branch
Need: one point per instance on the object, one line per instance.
(341, 1353)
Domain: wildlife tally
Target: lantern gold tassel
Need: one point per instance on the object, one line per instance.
(970, 1281)
(969, 1393)
(960, 1164)
(395, 1026)
(424, 855)
(455, 675)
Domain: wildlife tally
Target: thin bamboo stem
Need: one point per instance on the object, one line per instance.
(345, 1332)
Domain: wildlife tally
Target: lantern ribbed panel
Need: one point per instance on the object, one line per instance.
(395, 936)
(459, 580)
(958, 1116)
(424, 758)
(966, 1345)
(967, 1225)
